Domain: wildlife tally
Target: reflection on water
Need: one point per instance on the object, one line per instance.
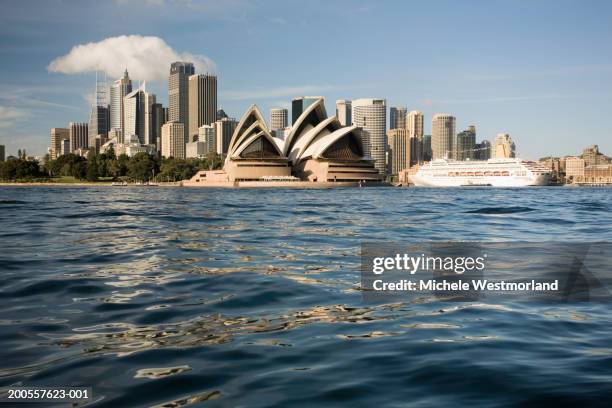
(175, 297)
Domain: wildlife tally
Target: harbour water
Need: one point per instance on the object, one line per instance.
(204, 297)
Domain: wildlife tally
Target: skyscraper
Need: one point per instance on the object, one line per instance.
(150, 131)
(504, 146)
(414, 125)
(399, 150)
(278, 118)
(442, 135)
(99, 123)
(178, 94)
(427, 148)
(134, 115)
(78, 135)
(99, 117)
(173, 140)
(206, 134)
(466, 144)
(202, 102)
(118, 91)
(483, 150)
(224, 129)
(397, 117)
(157, 121)
(343, 112)
(57, 134)
(371, 116)
(299, 105)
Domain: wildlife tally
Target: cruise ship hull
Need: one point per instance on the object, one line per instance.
(493, 181)
(510, 172)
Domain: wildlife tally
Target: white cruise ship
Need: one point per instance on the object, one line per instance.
(493, 172)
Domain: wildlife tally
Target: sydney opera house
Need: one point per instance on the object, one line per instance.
(317, 152)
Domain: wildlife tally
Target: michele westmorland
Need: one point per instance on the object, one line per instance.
(186, 187)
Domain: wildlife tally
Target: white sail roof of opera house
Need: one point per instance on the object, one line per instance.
(312, 134)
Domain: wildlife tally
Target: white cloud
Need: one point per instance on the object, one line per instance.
(146, 58)
(9, 116)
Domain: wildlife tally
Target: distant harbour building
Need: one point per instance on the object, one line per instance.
(57, 135)
(574, 167)
(196, 150)
(116, 135)
(593, 157)
(427, 153)
(278, 118)
(158, 118)
(150, 131)
(65, 147)
(173, 140)
(482, 150)
(2, 153)
(134, 107)
(119, 89)
(79, 136)
(344, 111)
(371, 116)
(224, 129)
(300, 104)
(504, 146)
(442, 135)
(206, 135)
(221, 114)
(178, 94)
(399, 150)
(466, 144)
(202, 102)
(415, 127)
(397, 117)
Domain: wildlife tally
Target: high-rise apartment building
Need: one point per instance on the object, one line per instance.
(150, 131)
(57, 134)
(591, 155)
(202, 102)
(574, 167)
(427, 153)
(224, 129)
(278, 118)
(482, 150)
(397, 117)
(206, 134)
(173, 140)
(158, 118)
(178, 94)
(78, 135)
(414, 125)
(399, 150)
(504, 146)
(65, 147)
(465, 147)
(134, 115)
(119, 89)
(371, 116)
(442, 135)
(343, 112)
(299, 105)
(99, 123)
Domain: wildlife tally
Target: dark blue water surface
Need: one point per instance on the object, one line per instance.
(197, 297)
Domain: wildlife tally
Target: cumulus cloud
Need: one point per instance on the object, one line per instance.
(145, 57)
(9, 116)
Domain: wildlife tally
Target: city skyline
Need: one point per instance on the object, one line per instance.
(520, 82)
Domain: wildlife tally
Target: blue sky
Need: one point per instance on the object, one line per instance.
(539, 70)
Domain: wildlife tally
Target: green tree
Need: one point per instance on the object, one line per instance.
(141, 167)
(92, 168)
